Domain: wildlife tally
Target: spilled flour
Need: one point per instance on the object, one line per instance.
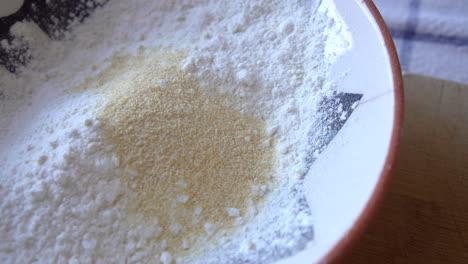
(164, 132)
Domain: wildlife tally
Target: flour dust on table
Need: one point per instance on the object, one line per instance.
(163, 131)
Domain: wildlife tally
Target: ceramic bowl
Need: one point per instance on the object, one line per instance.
(346, 184)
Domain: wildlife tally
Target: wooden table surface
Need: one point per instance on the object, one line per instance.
(424, 217)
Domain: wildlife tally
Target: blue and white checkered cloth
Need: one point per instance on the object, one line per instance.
(431, 36)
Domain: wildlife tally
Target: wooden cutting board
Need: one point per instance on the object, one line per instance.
(424, 217)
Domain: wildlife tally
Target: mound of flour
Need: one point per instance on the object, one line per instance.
(62, 201)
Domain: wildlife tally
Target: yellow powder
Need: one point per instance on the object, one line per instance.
(186, 157)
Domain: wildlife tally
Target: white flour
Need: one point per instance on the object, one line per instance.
(62, 201)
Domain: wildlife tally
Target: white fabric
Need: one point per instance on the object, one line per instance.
(431, 36)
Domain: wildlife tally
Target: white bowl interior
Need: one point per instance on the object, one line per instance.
(343, 178)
